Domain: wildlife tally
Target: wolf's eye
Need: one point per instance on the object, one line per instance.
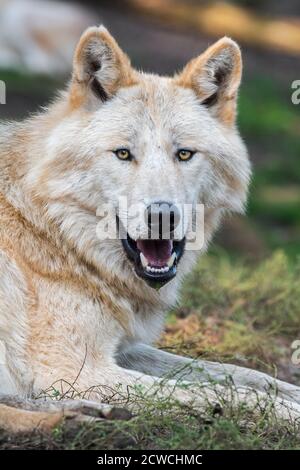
(123, 154)
(184, 155)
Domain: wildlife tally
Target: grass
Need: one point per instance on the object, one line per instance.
(238, 311)
(164, 430)
(167, 424)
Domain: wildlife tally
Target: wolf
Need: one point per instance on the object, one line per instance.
(84, 310)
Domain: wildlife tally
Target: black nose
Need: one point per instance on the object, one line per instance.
(162, 219)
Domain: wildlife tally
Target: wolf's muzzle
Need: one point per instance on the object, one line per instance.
(156, 257)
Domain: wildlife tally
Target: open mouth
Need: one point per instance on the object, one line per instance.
(155, 261)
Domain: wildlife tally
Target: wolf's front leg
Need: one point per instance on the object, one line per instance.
(156, 362)
(118, 386)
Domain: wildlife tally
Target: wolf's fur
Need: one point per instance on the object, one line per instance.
(71, 306)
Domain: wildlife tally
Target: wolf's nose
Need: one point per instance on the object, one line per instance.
(162, 218)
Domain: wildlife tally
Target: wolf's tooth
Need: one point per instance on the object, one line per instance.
(143, 260)
(162, 270)
(171, 260)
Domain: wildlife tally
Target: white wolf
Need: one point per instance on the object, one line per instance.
(78, 308)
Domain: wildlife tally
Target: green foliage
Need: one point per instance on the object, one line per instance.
(270, 124)
(183, 431)
(168, 425)
(265, 296)
(266, 110)
(32, 83)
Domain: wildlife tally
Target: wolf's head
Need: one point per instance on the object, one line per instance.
(161, 143)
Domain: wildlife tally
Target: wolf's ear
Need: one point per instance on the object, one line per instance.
(215, 77)
(100, 68)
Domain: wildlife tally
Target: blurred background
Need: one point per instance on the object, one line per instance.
(244, 301)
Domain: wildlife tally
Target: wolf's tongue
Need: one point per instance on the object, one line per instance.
(157, 252)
